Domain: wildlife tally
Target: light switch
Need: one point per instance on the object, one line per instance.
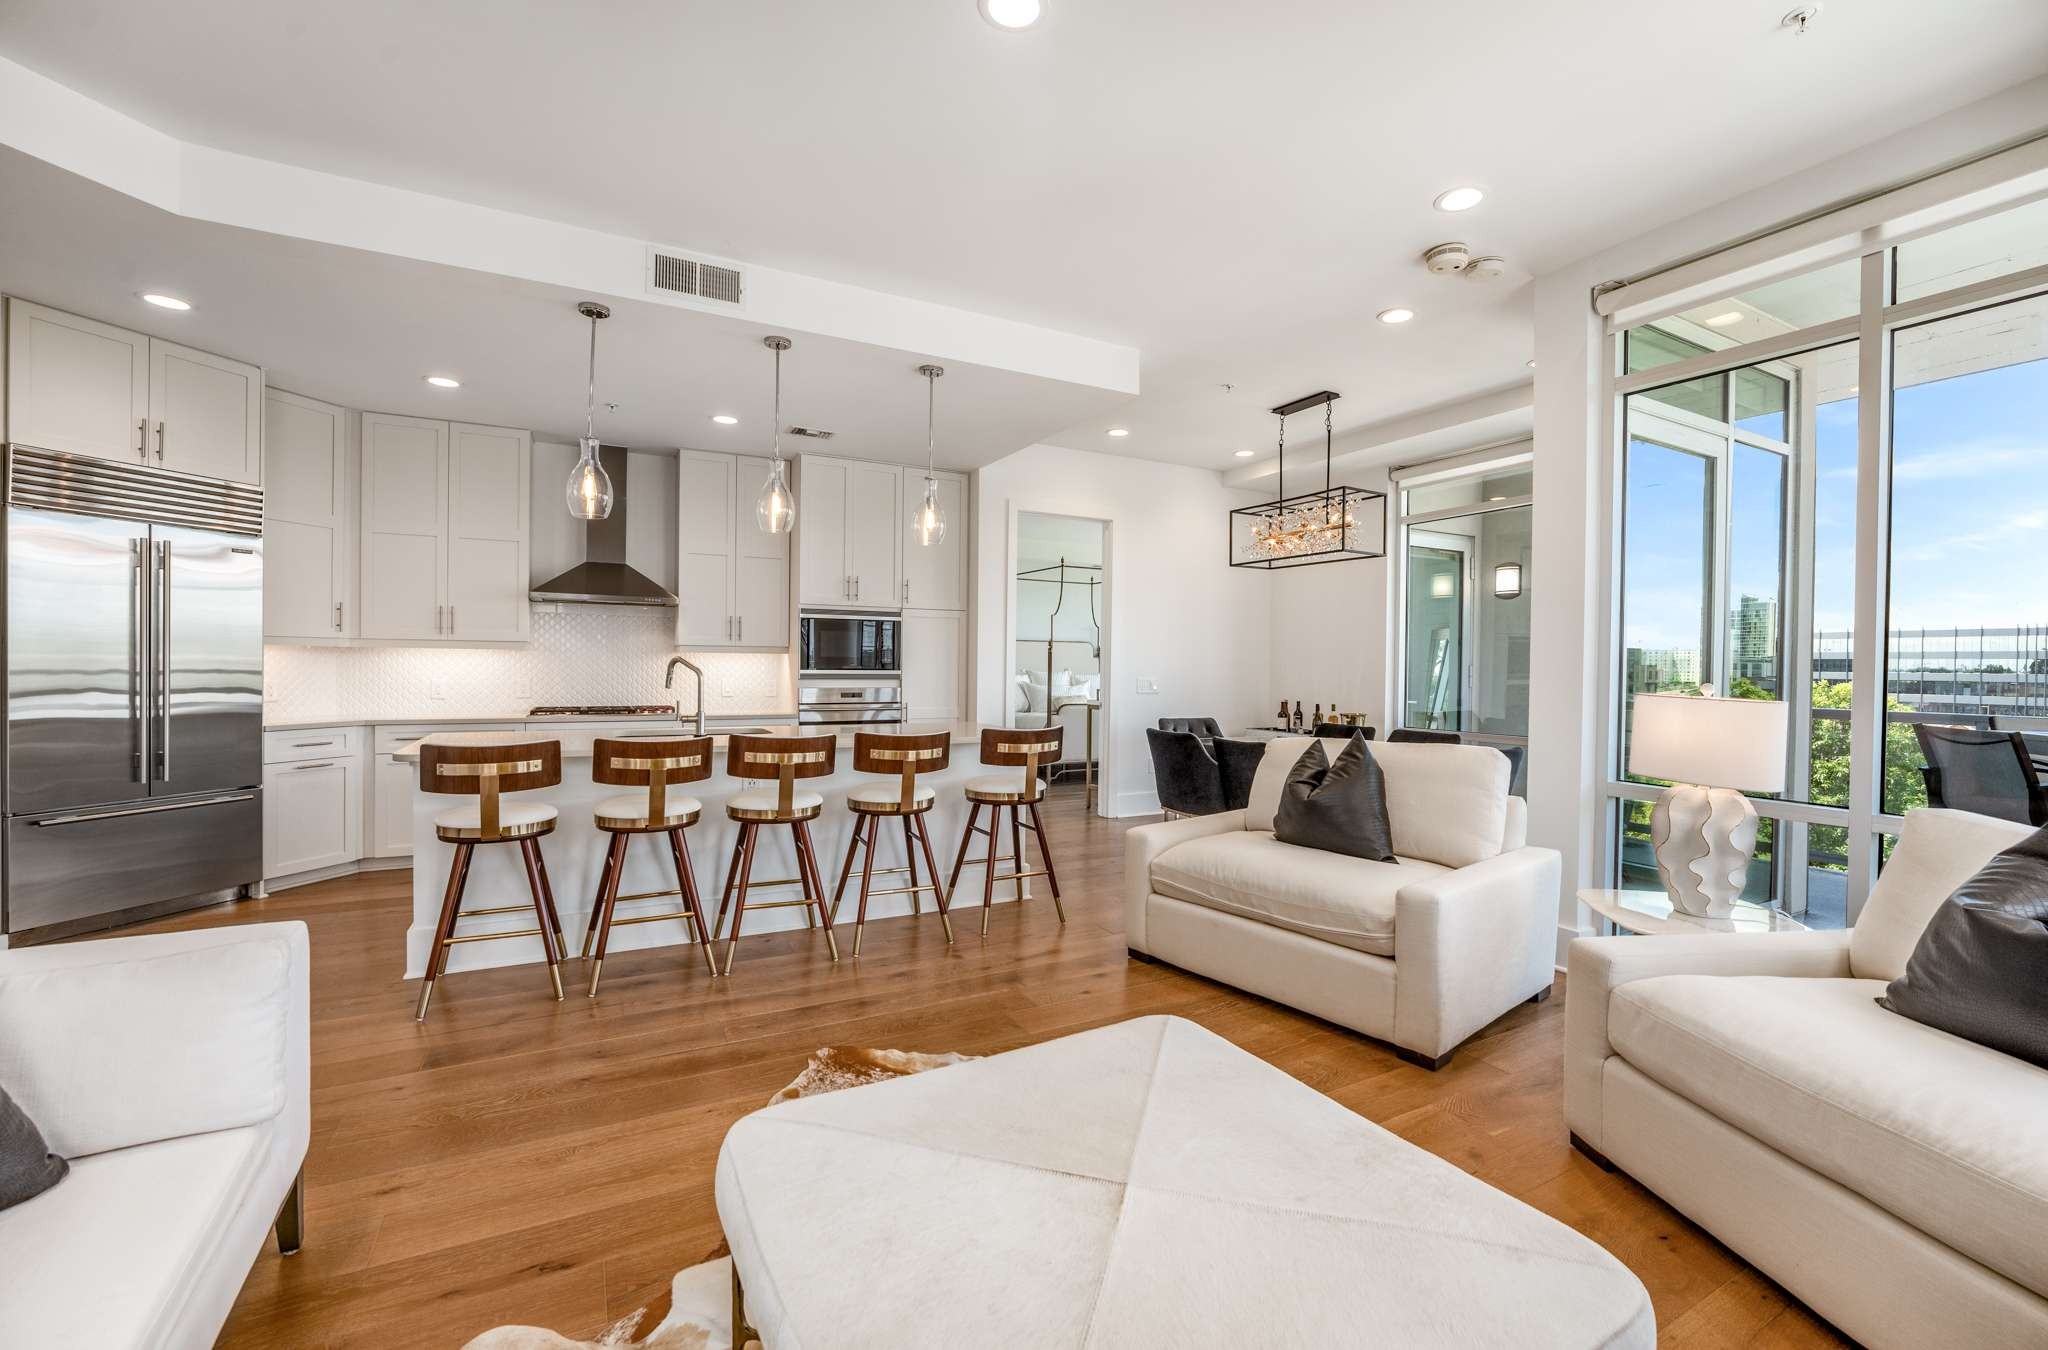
(1147, 684)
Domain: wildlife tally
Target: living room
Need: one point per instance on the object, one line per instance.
(1465, 714)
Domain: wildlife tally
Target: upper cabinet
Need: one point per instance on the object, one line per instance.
(935, 575)
(732, 576)
(849, 534)
(87, 388)
(308, 529)
(445, 514)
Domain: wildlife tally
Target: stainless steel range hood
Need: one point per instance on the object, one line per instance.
(603, 578)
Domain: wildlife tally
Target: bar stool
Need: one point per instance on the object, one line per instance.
(1011, 748)
(652, 765)
(785, 759)
(903, 757)
(485, 772)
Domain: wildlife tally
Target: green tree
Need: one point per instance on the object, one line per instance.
(1828, 769)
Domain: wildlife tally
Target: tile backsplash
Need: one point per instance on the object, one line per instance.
(579, 654)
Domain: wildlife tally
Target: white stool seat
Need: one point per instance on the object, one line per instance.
(1003, 786)
(888, 794)
(515, 817)
(765, 799)
(632, 806)
(1209, 1199)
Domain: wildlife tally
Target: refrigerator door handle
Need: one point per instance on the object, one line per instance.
(81, 817)
(139, 548)
(163, 661)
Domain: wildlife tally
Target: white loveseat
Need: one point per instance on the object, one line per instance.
(1421, 952)
(1892, 1176)
(172, 1071)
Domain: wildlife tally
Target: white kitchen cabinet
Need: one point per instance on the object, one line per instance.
(391, 784)
(76, 385)
(308, 529)
(312, 815)
(935, 575)
(732, 576)
(206, 413)
(849, 518)
(935, 665)
(445, 514)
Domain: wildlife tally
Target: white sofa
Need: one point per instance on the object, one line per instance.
(1893, 1177)
(1421, 952)
(172, 1071)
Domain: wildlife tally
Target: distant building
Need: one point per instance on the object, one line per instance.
(1967, 673)
(1753, 628)
(1657, 669)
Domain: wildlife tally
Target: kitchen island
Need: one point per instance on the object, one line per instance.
(575, 851)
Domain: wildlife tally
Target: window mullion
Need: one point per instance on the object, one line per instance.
(1873, 556)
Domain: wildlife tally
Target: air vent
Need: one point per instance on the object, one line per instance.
(812, 432)
(674, 275)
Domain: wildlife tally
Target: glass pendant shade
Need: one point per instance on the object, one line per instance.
(928, 522)
(775, 508)
(590, 487)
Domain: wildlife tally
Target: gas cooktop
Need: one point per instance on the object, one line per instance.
(604, 710)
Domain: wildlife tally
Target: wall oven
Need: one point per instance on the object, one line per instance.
(850, 644)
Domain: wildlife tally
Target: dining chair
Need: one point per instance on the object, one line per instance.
(1988, 772)
(1184, 772)
(1418, 736)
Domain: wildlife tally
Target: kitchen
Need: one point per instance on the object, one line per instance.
(236, 610)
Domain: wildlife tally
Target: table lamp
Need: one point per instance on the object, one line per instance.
(1710, 749)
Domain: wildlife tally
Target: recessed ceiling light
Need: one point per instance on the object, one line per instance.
(1012, 14)
(1245, 454)
(725, 419)
(444, 382)
(1396, 315)
(166, 301)
(1723, 320)
(1530, 364)
(1460, 199)
(1119, 431)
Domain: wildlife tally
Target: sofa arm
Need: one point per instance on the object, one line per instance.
(1596, 966)
(1144, 844)
(131, 1040)
(1472, 943)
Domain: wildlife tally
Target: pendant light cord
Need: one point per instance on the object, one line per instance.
(1326, 450)
(931, 404)
(590, 403)
(778, 405)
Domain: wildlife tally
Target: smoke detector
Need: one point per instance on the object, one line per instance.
(1486, 267)
(1446, 259)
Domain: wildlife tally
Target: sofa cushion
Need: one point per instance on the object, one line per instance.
(1446, 804)
(1950, 1137)
(128, 1237)
(1332, 896)
(1338, 807)
(27, 1167)
(1937, 852)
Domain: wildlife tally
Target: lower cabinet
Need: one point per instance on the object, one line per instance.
(935, 665)
(390, 809)
(312, 800)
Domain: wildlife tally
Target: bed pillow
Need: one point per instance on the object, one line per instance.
(27, 1167)
(1980, 969)
(1337, 807)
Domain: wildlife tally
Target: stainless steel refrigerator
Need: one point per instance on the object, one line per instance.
(134, 669)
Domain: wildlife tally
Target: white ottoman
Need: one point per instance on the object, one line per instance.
(1146, 1184)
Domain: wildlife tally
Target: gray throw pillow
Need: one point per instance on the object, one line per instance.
(1980, 970)
(27, 1167)
(1338, 808)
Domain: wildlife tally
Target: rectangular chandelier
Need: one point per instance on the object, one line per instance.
(1335, 524)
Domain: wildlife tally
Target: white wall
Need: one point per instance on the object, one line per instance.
(1176, 611)
(1330, 630)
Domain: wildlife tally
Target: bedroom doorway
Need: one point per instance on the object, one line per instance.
(1057, 658)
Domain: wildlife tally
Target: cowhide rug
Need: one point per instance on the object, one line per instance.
(698, 1315)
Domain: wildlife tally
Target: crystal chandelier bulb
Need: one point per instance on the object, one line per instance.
(775, 508)
(928, 522)
(590, 487)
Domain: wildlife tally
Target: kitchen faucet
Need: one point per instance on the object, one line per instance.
(669, 682)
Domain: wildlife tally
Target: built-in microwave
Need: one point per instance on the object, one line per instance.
(850, 644)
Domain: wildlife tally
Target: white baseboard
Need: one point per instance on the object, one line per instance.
(1144, 803)
(1565, 934)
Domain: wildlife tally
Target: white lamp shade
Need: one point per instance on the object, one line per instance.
(1712, 742)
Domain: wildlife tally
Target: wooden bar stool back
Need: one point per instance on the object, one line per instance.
(903, 758)
(486, 773)
(786, 759)
(1023, 752)
(652, 766)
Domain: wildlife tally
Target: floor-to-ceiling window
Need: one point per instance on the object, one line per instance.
(1874, 572)
(1465, 552)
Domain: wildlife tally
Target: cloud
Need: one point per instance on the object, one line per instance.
(1942, 465)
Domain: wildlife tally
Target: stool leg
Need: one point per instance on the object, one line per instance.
(910, 857)
(732, 872)
(1017, 853)
(604, 879)
(607, 901)
(854, 841)
(814, 884)
(739, 910)
(988, 874)
(531, 853)
(458, 872)
(1052, 878)
(547, 895)
(967, 833)
(931, 867)
(867, 876)
(686, 879)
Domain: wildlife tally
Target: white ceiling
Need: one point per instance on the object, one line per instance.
(1234, 189)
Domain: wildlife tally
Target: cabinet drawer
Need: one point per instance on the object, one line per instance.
(390, 740)
(283, 747)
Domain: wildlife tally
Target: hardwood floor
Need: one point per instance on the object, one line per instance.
(521, 1160)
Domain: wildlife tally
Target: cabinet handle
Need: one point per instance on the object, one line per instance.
(309, 745)
(906, 590)
(741, 624)
(440, 612)
(856, 587)
(337, 616)
(159, 442)
(301, 768)
(142, 439)
(451, 619)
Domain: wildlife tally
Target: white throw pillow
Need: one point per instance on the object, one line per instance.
(1062, 683)
(1937, 851)
(1023, 683)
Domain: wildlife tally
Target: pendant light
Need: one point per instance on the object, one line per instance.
(590, 487)
(928, 522)
(1309, 527)
(775, 508)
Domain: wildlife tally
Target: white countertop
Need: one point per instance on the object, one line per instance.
(514, 715)
(963, 733)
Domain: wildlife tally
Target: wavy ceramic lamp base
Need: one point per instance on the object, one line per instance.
(1704, 839)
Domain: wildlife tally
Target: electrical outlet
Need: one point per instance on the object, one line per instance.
(1147, 685)
(437, 688)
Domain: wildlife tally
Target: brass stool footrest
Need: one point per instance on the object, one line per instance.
(1020, 876)
(491, 937)
(905, 890)
(645, 895)
(526, 908)
(777, 904)
(653, 918)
